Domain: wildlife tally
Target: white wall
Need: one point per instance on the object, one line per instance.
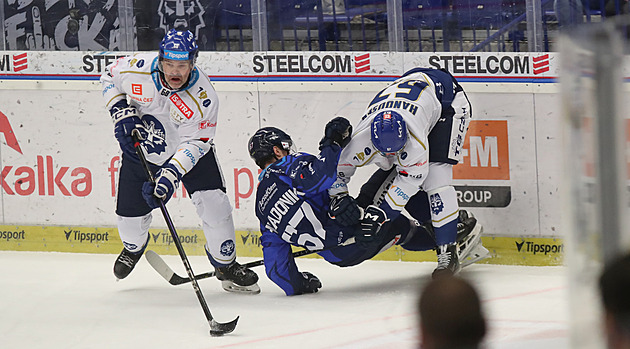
(53, 108)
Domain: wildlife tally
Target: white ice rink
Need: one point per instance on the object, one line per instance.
(65, 300)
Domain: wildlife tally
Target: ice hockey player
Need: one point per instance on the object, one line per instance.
(414, 131)
(292, 204)
(172, 103)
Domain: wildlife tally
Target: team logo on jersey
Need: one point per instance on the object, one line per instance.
(227, 247)
(129, 246)
(437, 205)
(154, 134)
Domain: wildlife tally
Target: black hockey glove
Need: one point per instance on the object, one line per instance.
(166, 182)
(344, 210)
(370, 225)
(125, 119)
(310, 284)
(338, 131)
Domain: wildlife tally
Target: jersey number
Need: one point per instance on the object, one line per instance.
(303, 238)
(410, 90)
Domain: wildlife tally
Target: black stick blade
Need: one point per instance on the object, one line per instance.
(219, 329)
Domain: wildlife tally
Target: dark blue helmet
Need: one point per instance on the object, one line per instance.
(179, 46)
(389, 132)
(262, 142)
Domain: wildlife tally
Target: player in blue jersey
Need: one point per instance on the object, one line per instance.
(292, 203)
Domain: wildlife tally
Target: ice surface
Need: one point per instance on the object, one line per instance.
(70, 300)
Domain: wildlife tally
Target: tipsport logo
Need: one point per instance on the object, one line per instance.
(167, 238)
(12, 235)
(80, 237)
(251, 239)
(538, 248)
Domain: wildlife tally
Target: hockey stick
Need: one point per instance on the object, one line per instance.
(169, 275)
(216, 328)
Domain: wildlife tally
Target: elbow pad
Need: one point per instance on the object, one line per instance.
(188, 154)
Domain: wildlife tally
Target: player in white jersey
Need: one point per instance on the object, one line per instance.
(172, 103)
(414, 129)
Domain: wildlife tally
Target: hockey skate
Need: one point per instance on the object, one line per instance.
(125, 263)
(236, 278)
(448, 261)
(469, 247)
(127, 260)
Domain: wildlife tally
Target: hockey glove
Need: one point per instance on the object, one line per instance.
(126, 119)
(338, 131)
(344, 210)
(310, 284)
(370, 225)
(166, 182)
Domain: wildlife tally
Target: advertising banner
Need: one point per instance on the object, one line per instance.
(60, 160)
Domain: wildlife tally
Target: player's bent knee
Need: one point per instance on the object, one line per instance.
(133, 231)
(213, 206)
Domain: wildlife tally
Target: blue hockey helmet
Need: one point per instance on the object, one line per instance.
(179, 46)
(261, 144)
(389, 132)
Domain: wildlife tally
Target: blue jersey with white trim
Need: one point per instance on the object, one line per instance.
(292, 207)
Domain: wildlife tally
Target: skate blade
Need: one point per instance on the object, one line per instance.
(475, 256)
(470, 243)
(232, 287)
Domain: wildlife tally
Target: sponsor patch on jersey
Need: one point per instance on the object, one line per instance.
(206, 124)
(398, 192)
(181, 106)
(269, 192)
(419, 164)
(136, 89)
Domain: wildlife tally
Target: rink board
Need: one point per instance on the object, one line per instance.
(60, 161)
(503, 250)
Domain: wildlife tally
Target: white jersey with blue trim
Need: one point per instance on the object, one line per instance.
(171, 117)
(414, 97)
